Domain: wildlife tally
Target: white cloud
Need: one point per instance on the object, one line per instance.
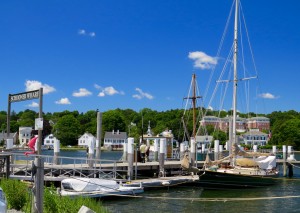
(107, 91)
(92, 34)
(81, 32)
(82, 93)
(33, 104)
(97, 86)
(35, 85)
(142, 94)
(267, 96)
(63, 101)
(202, 60)
(101, 94)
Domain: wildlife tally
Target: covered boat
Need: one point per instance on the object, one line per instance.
(95, 187)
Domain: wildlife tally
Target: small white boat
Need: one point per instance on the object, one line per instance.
(3, 202)
(96, 187)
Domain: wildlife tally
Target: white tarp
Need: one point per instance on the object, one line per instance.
(89, 184)
(266, 162)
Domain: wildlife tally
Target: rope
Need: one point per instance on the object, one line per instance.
(294, 165)
(213, 199)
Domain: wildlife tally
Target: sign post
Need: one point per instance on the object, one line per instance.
(38, 190)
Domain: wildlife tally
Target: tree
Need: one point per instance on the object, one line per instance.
(27, 118)
(288, 133)
(67, 130)
(113, 120)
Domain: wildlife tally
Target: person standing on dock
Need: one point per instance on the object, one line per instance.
(143, 148)
(147, 152)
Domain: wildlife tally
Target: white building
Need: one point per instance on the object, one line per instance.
(255, 137)
(85, 139)
(49, 140)
(24, 135)
(115, 139)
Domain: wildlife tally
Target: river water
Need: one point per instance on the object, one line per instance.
(283, 197)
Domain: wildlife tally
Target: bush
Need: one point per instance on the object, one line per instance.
(16, 193)
(53, 203)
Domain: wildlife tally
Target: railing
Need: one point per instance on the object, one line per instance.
(22, 165)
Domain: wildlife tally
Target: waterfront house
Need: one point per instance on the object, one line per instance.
(49, 140)
(115, 139)
(255, 137)
(24, 135)
(85, 139)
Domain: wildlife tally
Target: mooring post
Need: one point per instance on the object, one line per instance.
(162, 151)
(193, 151)
(99, 136)
(274, 150)
(130, 158)
(284, 159)
(125, 148)
(91, 153)
(182, 150)
(56, 149)
(156, 149)
(216, 149)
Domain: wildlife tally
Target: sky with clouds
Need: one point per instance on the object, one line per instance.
(136, 54)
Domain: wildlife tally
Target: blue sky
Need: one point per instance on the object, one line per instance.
(108, 54)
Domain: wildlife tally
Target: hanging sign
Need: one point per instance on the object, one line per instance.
(24, 96)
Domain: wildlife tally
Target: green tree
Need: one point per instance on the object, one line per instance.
(67, 130)
(113, 120)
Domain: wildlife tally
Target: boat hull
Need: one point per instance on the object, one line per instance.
(217, 180)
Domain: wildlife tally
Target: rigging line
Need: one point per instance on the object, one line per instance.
(227, 83)
(247, 94)
(185, 109)
(222, 73)
(219, 50)
(251, 51)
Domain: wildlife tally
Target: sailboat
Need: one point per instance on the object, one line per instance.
(240, 169)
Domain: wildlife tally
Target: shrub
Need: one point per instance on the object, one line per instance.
(53, 203)
(16, 193)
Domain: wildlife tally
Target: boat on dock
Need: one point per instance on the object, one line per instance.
(96, 188)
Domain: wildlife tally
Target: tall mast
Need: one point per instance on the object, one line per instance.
(194, 98)
(235, 77)
(194, 106)
(235, 81)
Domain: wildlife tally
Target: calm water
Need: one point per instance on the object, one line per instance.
(192, 199)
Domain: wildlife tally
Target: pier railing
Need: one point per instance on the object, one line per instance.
(22, 167)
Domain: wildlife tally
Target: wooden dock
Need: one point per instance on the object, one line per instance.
(111, 169)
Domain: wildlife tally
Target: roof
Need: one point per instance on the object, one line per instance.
(254, 133)
(88, 134)
(116, 135)
(3, 136)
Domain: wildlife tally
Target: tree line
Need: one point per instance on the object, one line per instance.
(68, 126)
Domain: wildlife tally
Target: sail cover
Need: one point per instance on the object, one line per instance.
(89, 184)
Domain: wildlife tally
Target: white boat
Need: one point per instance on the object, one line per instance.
(96, 187)
(240, 169)
(3, 202)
